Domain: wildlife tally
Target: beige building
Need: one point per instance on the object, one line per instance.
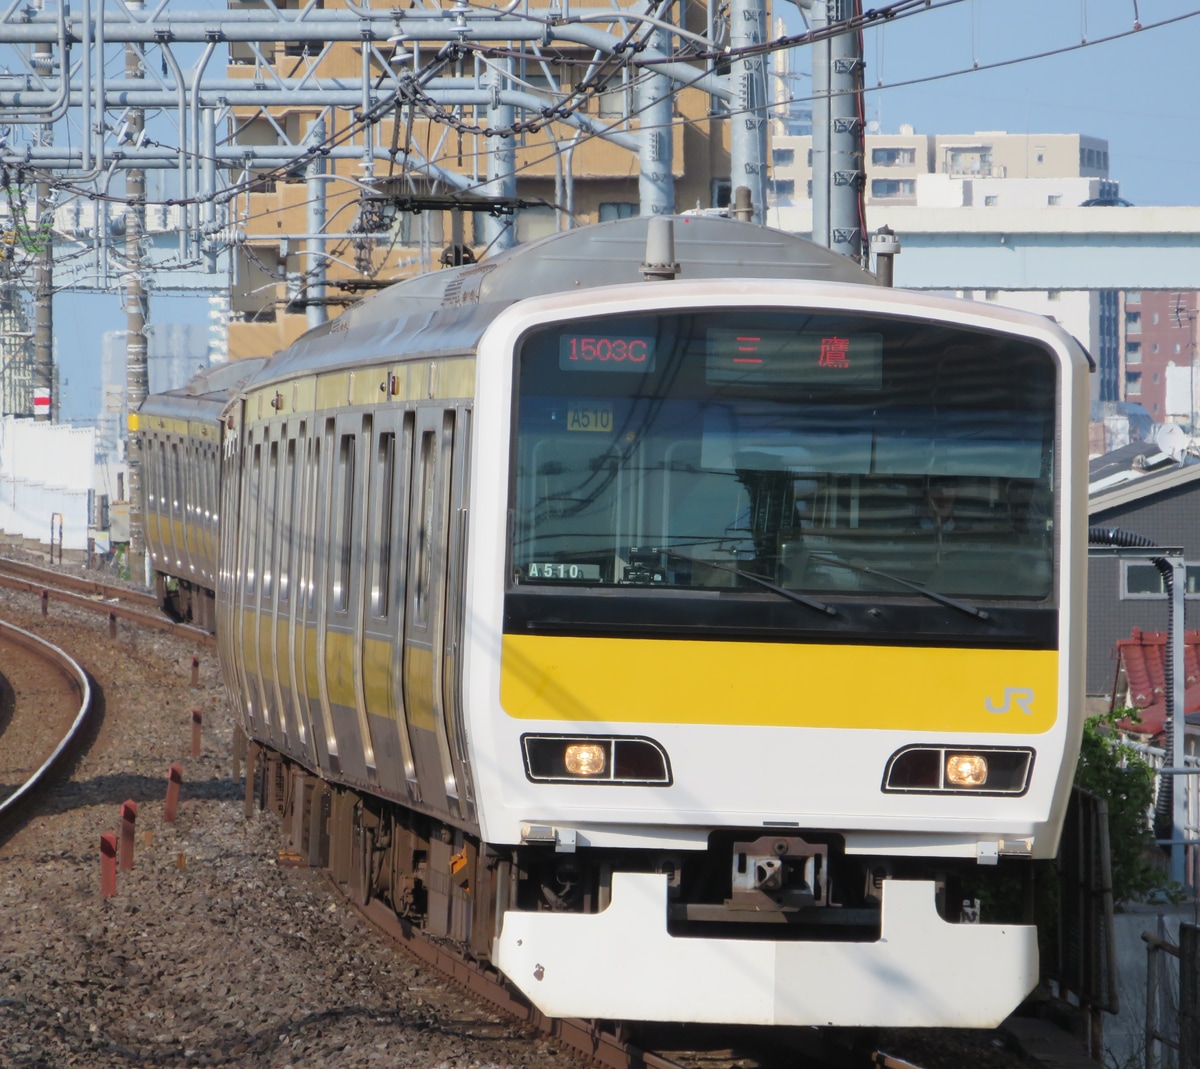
(895, 162)
(578, 179)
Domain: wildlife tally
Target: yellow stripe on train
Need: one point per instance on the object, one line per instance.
(647, 681)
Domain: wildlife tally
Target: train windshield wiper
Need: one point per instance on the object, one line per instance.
(753, 577)
(933, 595)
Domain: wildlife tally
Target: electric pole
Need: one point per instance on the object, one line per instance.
(136, 371)
(838, 170)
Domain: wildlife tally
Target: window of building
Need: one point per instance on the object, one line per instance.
(893, 157)
(534, 223)
(990, 202)
(613, 104)
(783, 157)
(1053, 295)
(617, 209)
(1177, 347)
(783, 187)
(721, 192)
(1133, 322)
(990, 295)
(1054, 199)
(893, 187)
(1141, 579)
(1133, 384)
(1156, 378)
(1041, 157)
(1133, 353)
(810, 189)
(1133, 297)
(1154, 318)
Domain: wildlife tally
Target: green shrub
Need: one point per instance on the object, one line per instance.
(1117, 773)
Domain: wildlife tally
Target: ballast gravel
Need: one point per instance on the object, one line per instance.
(212, 952)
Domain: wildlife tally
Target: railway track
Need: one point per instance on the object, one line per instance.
(86, 592)
(45, 698)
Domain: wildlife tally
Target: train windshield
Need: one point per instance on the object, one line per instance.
(820, 453)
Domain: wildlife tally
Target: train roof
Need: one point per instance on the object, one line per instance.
(451, 308)
(205, 394)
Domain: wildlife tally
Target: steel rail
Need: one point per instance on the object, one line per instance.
(75, 676)
(83, 594)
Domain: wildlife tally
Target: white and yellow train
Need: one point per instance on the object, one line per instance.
(690, 649)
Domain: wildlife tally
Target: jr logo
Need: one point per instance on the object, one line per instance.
(1014, 698)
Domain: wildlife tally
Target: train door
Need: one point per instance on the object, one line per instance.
(286, 605)
(452, 660)
(245, 583)
(424, 646)
(276, 531)
(342, 587)
(307, 643)
(343, 593)
(229, 549)
(383, 604)
(191, 551)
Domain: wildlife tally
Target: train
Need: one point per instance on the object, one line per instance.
(663, 612)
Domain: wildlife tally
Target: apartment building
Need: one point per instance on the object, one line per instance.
(565, 179)
(895, 163)
(1159, 354)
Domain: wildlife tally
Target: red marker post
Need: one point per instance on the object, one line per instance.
(195, 672)
(128, 819)
(174, 782)
(197, 718)
(108, 865)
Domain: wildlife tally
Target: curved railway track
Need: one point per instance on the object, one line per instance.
(45, 697)
(117, 602)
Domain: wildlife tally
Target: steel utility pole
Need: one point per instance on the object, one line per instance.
(136, 371)
(500, 233)
(45, 396)
(314, 273)
(748, 118)
(838, 166)
(656, 183)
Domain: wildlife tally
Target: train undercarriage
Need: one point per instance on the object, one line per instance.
(784, 888)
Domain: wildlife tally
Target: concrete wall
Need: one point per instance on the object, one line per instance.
(46, 469)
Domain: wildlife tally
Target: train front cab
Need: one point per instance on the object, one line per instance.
(718, 551)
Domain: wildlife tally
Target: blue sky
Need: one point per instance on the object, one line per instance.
(1139, 92)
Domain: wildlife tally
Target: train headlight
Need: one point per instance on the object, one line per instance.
(959, 770)
(612, 759)
(585, 758)
(966, 769)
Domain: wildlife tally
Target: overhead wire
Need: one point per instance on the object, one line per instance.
(859, 21)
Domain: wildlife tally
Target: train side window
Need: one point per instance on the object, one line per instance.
(270, 537)
(176, 478)
(381, 527)
(252, 500)
(425, 530)
(288, 527)
(344, 518)
(310, 530)
(151, 473)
